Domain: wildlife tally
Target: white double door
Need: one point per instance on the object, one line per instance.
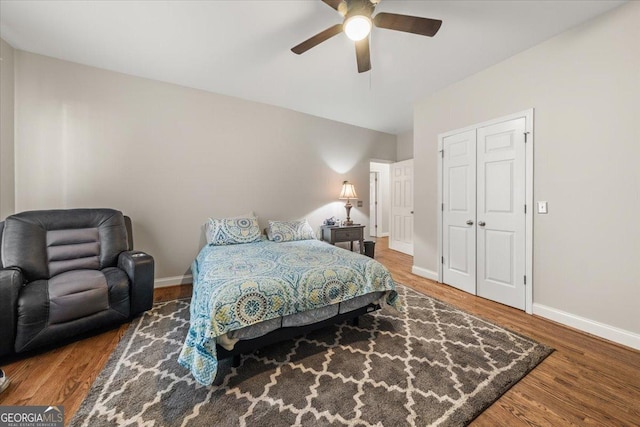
(483, 211)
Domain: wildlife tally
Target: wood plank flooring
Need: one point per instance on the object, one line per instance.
(587, 381)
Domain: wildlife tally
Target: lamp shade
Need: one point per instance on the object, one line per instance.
(348, 191)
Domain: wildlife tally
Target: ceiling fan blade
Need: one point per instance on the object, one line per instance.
(408, 24)
(317, 39)
(362, 55)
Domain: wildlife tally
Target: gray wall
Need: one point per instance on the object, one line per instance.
(170, 156)
(405, 146)
(6, 130)
(585, 87)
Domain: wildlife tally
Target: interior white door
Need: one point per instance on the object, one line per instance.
(401, 236)
(501, 212)
(459, 211)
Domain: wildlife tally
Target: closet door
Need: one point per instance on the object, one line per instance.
(459, 211)
(483, 211)
(500, 212)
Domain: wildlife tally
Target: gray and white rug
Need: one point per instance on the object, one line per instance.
(431, 365)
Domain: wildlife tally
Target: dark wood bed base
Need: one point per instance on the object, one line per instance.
(283, 334)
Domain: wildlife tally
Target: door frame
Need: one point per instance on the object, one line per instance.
(528, 115)
(376, 229)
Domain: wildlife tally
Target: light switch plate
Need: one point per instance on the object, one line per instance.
(542, 208)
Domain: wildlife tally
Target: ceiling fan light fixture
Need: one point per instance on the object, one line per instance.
(357, 27)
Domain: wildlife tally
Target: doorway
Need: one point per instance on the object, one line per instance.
(486, 195)
(379, 199)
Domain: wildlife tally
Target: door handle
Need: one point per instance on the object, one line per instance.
(411, 212)
(469, 222)
(482, 224)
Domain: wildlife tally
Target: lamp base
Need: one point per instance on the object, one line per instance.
(348, 207)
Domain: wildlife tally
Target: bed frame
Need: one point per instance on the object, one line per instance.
(284, 334)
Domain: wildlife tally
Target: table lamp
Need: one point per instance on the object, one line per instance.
(348, 192)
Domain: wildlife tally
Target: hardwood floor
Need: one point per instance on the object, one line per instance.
(586, 381)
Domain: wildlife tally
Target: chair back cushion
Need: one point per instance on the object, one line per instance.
(46, 243)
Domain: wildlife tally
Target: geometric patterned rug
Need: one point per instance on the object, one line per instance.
(429, 365)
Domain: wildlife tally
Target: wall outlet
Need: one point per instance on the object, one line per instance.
(359, 203)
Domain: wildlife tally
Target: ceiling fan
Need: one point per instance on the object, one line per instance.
(357, 24)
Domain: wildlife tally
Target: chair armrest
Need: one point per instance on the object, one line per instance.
(11, 280)
(129, 227)
(139, 267)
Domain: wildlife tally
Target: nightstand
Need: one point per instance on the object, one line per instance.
(347, 233)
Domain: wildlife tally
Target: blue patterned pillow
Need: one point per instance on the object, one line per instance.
(232, 231)
(286, 231)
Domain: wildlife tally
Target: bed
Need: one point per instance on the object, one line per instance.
(247, 295)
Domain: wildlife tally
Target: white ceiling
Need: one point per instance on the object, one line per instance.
(242, 48)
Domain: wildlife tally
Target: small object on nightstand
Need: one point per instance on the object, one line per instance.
(346, 233)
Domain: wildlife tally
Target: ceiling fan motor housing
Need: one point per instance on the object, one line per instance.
(359, 7)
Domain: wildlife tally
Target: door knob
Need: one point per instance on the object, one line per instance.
(469, 222)
(481, 223)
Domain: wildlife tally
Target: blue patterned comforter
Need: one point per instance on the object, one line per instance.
(240, 285)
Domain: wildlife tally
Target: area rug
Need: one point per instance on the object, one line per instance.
(429, 365)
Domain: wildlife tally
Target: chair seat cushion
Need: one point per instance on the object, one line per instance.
(75, 294)
(70, 303)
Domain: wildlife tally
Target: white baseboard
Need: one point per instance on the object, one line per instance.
(601, 330)
(423, 272)
(380, 235)
(165, 282)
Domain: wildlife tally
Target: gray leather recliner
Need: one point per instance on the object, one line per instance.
(67, 272)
